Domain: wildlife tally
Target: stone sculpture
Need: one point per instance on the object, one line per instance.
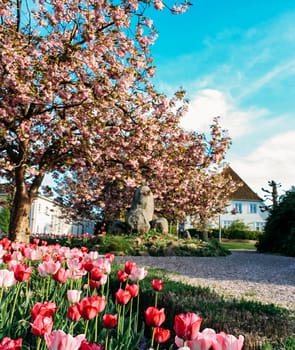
(142, 209)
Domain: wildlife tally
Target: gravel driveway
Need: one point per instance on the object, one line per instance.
(243, 274)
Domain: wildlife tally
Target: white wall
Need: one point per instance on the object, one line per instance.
(248, 212)
(46, 217)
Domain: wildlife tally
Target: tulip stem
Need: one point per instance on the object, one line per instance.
(130, 317)
(38, 343)
(14, 302)
(153, 337)
(86, 328)
(96, 328)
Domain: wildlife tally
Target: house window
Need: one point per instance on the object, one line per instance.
(253, 208)
(227, 223)
(238, 208)
(259, 226)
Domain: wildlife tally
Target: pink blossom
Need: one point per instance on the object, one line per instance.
(158, 4)
(59, 340)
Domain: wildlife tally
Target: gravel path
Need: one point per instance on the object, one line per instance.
(243, 274)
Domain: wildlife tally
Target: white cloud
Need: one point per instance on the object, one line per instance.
(274, 160)
(209, 103)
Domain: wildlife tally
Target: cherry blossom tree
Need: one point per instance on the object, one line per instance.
(77, 101)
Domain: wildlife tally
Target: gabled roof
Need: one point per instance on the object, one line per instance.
(244, 192)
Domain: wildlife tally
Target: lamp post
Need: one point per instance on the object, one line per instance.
(219, 228)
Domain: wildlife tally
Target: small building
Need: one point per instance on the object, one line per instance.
(48, 217)
(245, 205)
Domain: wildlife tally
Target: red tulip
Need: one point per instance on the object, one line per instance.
(109, 321)
(90, 346)
(161, 335)
(110, 257)
(133, 289)
(61, 275)
(10, 344)
(44, 309)
(6, 258)
(154, 317)
(129, 266)
(157, 285)
(22, 272)
(42, 325)
(122, 296)
(73, 313)
(89, 307)
(122, 276)
(187, 325)
(96, 274)
(88, 265)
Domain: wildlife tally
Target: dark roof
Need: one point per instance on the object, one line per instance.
(244, 192)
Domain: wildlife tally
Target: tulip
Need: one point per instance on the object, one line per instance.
(154, 317)
(187, 325)
(7, 278)
(59, 340)
(138, 274)
(73, 295)
(44, 309)
(133, 290)
(48, 268)
(61, 275)
(91, 346)
(89, 307)
(10, 344)
(96, 274)
(109, 321)
(73, 313)
(161, 335)
(157, 285)
(227, 342)
(122, 276)
(110, 257)
(129, 266)
(42, 325)
(22, 272)
(122, 296)
(88, 265)
(204, 340)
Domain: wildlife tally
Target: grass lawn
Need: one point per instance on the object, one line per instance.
(233, 244)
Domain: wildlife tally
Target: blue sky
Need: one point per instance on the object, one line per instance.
(236, 59)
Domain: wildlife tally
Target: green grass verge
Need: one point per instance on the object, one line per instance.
(238, 245)
(264, 327)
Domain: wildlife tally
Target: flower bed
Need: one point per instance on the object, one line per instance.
(56, 297)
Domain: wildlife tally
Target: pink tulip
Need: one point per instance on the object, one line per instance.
(73, 295)
(10, 344)
(7, 278)
(42, 325)
(48, 268)
(138, 274)
(203, 341)
(227, 342)
(59, 340)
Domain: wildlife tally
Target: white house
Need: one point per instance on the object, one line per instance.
(47, 217)
(245, 205)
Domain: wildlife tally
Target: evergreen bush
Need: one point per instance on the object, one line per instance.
(279, 236)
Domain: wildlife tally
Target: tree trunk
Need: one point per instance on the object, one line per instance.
(19, 230)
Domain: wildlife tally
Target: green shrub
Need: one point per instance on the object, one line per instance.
(279, 236)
